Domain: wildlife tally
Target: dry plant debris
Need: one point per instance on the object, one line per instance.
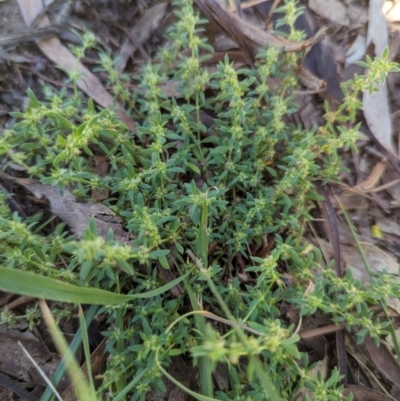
(368, 193)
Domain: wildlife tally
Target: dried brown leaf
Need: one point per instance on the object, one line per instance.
(98, 360)
(361, 393)
(225, 20)
(141, 31)
(333, 10)
(373, 178)
(389, 225)
(376, 105)
(378, 259)
(61, 56)
(75, 214)
(14, 362)
(384, 361)
(361, 370)
(258, 37)
(357, 49)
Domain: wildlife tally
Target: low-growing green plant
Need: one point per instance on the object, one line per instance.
(213, 172)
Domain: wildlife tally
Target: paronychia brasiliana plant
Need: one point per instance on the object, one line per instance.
(217, 168)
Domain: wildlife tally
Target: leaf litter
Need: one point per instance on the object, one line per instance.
(369, 190)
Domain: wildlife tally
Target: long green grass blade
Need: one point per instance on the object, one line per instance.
(60, 371)
(82, 389)
(204, 364)
(202, 250)
(86, 349)
(37, 286)
(202, 243)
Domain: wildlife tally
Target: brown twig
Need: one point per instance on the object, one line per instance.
(333, 235)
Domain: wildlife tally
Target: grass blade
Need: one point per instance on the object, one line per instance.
(37, 286)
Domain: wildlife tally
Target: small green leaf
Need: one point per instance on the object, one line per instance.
(62, 121)
(59, 158)
(125, 266)
(33, 99)
(90, 106)
(163, 262)
(159, 253)
(175, 352)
